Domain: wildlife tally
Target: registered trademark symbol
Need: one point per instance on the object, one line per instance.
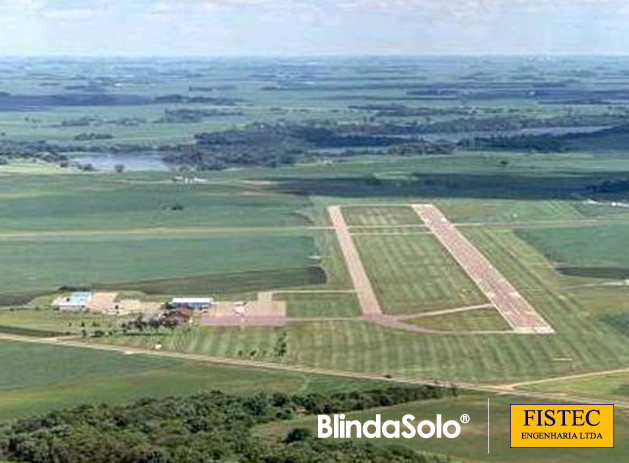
(465, 418)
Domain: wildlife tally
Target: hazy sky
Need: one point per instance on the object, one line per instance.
(306, 27)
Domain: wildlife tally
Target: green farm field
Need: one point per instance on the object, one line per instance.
(613, 387)
(583, 342)
(39, 378)
(587, 252)
(46, 264)
(305, 305)
(380, 216)
(114, 176)
(139, 201)
(484, 319)
(50, 322)
(250, 227)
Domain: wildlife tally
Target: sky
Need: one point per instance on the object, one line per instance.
(313, 27)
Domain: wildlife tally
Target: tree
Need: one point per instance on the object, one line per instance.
(297, 435)
(171, 323)
(155, 324)
(119, 168)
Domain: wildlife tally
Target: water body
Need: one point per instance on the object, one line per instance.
(152, 161)
(133, 162)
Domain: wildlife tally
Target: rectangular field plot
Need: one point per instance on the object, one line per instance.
(36, 379)
(377, 216)
(327, 305)
(585, 251)
(487, 319)
(119, 259)
(48, 323)
(413, 274)
(391, 230)
(74, 202)
(506, 211)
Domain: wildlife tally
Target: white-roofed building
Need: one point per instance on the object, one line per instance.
(75, 302)
(193, 303)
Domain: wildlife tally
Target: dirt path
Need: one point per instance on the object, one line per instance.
(521, 315)
(366, 295)
(151, 231)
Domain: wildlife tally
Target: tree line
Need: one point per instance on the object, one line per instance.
(203, 428)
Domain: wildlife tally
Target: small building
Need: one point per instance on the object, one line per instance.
(75, 302)
(192, 303)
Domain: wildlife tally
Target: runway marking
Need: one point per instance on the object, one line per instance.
(516, 310)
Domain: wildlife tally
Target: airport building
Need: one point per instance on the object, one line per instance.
(192, 303)
(75, 302)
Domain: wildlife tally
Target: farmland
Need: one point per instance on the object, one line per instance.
(52, 377)
(98, 260)
(411, 272)
(585, 252)
(553, 224)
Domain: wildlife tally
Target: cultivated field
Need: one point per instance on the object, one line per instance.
(552, 224)
(35, 378)
(588, 341)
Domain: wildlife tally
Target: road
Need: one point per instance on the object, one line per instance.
(516, 310)
(369, 303)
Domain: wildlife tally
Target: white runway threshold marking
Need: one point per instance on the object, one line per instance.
(516, 310)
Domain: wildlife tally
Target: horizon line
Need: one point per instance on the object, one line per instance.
(317, 55)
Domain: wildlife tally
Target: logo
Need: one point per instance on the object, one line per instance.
(562, 426)
(337, 427)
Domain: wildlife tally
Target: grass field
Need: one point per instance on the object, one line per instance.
(252, 229)
(583, 341)
(612, 387)
(488, 319)
(36, 378)
(47, 320)
(412, 274)
(320, 304)
(370, 216)
(27, 366)
(46, 264)
(493, 211)
(140, 200)
(587, 252)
